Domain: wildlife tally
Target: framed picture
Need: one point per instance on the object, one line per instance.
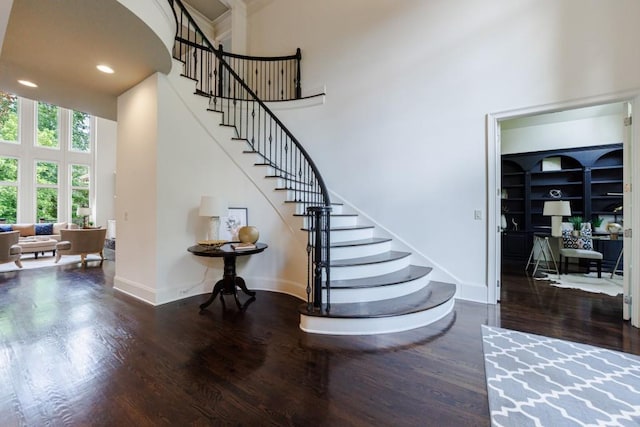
(230, 224)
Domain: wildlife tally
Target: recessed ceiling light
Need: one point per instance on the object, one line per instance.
(27, 83)
(105, 68)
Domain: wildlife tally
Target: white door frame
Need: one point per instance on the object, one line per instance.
(494, 175)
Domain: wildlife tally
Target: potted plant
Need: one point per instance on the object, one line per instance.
(596, 222)
(576, 221)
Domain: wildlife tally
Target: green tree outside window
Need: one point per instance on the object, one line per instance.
(80, 132)
(47, 203)
(47, 125)
(79, 198)
(9, 189)
(47, 190)
(8, 117)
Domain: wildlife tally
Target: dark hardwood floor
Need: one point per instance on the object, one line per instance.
(75, 352)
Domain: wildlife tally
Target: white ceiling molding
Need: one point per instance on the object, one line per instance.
(222, 27)
(202, 21)
(5, 10)
(237, 26)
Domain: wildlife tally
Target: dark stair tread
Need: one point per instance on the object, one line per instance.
(291, 179)
(371, 259)
(344, 228)
(298, 190)
(407, 274)
(201, 92)
(333, 215)
(332, 204)
(361, 242)
(437, 293)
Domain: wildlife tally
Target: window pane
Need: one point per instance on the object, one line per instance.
(47, 203)
(9, 203)
(47, 125)
(47, 173)
(79, 198)
(8, 169)
(79, 176)
(80, 132)
(8, 117)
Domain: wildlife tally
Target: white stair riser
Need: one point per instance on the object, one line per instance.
(335, 209)
(347, 235)
(347, 252)
(377, 325)
(336, 221)
(368, 270)
(340, 295)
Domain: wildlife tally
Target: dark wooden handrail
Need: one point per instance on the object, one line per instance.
(265, 133)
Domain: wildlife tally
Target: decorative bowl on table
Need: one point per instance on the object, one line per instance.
(212, 244)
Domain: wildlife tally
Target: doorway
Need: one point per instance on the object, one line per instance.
(554, 116)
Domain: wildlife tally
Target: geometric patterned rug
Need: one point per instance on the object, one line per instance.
(539, 381)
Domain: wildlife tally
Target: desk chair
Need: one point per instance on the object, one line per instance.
(580, 247)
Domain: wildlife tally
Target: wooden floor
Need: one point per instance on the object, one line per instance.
(75, 352)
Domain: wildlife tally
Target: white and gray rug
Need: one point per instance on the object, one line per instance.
(586, 282)
(539, 381)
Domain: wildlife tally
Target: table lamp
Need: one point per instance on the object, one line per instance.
(84, 212)
(214, 208)
(556, 210)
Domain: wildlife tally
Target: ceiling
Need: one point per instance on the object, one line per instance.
(211, 9)
(57, 44)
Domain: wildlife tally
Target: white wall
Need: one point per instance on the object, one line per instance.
(136, 203)
(106, 142)
(563, 130)
(409, 86)
(171, 151)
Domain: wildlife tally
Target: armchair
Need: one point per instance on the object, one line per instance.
(580, 247)
(9, 249)
(81, 242)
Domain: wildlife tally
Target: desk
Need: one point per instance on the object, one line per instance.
(541, 242)
(230, 281)
(611, 250)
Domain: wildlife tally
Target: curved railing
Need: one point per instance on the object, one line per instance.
(266, 136)
(272, 78)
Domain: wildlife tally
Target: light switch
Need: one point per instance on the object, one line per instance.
(477, 214)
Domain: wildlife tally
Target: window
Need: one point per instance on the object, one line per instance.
(9, 189)
(80, 132)
(52, 175)
(8, 117)
(47, 191)
(80, 179)
(47, 125)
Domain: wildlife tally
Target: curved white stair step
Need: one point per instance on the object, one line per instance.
(360, 248)
(399, 314)
(370, 266)
(387, 286)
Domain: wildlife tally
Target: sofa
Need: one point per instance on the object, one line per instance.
(38, 238)
(49, 230)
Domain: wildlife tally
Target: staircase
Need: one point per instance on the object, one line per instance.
(373, 288)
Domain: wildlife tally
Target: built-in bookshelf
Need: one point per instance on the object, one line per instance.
(591, 179)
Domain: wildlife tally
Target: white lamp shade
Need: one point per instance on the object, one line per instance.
(83, 211)
(212, 206)
(557, 208)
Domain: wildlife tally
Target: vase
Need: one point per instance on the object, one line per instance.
(248, 234)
